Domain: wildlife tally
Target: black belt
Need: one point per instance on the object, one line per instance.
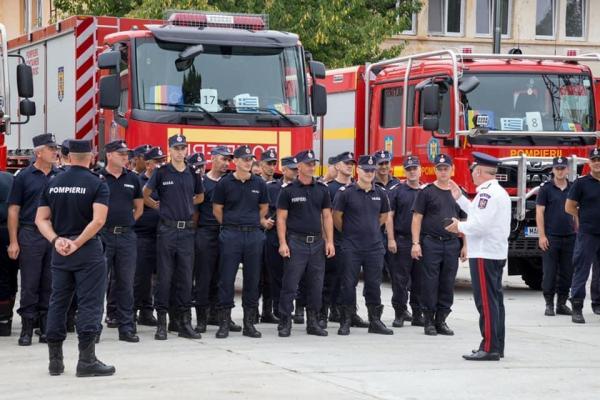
(178, 224)
(117, 230)
(440, 238)
(242, 228)
(210, 227)
(29, 227)
(402, 236)
(305, 238)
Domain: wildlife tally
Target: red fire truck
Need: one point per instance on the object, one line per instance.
(524, 109)
(217, 78)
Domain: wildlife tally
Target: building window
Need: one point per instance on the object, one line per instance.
(409, 22)
(545, 19)
(412, 28)
(26, 22)
(446, 17)
(575, 22)
(39, 13)
(484, 24)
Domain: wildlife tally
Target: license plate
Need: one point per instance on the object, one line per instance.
(531, 232)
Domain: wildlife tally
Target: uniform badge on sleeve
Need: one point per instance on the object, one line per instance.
(482, 203)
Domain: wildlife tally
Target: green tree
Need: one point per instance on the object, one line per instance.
(117, 8)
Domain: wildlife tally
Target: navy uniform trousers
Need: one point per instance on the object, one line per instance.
(240, 246)
(8, 278)
(440, 265)
(175, 268)
(36, 278)
(274, 263)
(405, 275)
(372, 266)
(557, 264)
(486, 280)
(306, 260)
(334, 267)
(120, 253)
(586, 254)
(206, 264)
(145, 267)
(82, 273)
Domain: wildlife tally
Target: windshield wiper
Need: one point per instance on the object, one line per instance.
(200, 108)
(273, 111)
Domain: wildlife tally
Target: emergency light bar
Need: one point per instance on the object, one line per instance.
(253, 22)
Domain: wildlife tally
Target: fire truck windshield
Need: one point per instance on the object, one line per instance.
(176, 77)
(531, 102)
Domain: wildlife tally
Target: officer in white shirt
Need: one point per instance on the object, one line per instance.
(486, 229)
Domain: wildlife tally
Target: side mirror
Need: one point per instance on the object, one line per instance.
(317, 69)
(110, 92)
(319, 100)
(109, 59)
(431, 100)
(27, 107)
(468, 84)
(24, 81)
(431, 123)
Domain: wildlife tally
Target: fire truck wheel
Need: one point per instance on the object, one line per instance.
(532, 275)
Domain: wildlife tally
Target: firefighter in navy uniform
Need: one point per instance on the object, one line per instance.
(360, 210)
(434, 206)
(139, 161)
(8, 267)
(240, 204)
(303, 211)
(126, 205)
(179, 188)
(145, 230)
(273, 259)
(26, 242)
(556, 231)
(582, 203)
(404, 270)
(486, 229)
(73, 208)
(197, 161)
(383, 176)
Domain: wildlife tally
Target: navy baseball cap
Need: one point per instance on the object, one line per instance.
(64, 148)
(443, 159)
(196, 159)
(116, 145)
(243, 152)
(332, 160)
(382, 156)
(268, 155)
(367, 163)
(595, 153)
(306, 156)
(346, 156)
(485, 159)
(177, 140)
(141, 150)
(221, 151)
(45, 139)
(80, 146)
(155, 153)
(560, 162)
(411, 161)
(289, 162)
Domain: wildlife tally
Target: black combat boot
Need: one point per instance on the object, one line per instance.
(201, 319)
(185, 326)
(26, 332)
(577, 314)
(173, 320)
(561, 305)
(213, 318)
(356, 321)
(375, 323)
(549, 312)
(322, 316)
(6, 313)
(43, 325)
(224, 317)
(161, 326)
(596, 308)
(440, 323)
(312, 323)
(55, 366)
(401, 314)
(88, 364)
(267, 316)
(429, 327)
(5, 327)
(417, 317)
(249, 318)
(334, 313)
(346, 313)
(146, 318)
(285, 326)
(298, 314)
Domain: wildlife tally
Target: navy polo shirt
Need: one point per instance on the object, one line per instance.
(333, 187)
(556, 220)
(402, 197)
(435, 205)
(241, 200)
(586, 192)
(123, 191)
(6, 181)
(362, 209)
(304, 204)
(176, 191)
(70, 196)
(147, 223)
(273, 190)
(205, 209)
(26, 189)
(391, 183)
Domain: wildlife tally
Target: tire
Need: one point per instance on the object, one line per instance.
(532, 273)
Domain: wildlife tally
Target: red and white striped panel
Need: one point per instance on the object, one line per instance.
(85, 116)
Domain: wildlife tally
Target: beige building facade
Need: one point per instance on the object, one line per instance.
(14, 15)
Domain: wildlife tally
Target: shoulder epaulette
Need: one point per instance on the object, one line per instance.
(323, 183)
(425, 185)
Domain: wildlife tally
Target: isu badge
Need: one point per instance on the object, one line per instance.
(482, 203)
(61, 83)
